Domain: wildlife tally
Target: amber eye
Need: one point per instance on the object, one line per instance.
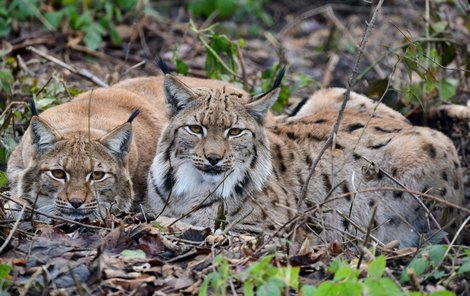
(197, 129)
(58, 174)
(97, 175)
(234, 131)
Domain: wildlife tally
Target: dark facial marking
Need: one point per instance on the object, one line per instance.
(380, 129)
(380, 145)
(255, 157)
(291, 136)
(321, 120)
(346, 189)
(352, 127)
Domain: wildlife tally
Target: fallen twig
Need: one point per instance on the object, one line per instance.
(82, 72)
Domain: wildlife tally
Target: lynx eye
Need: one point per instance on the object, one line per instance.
(234, 132)
(97, 176)
(58, 174)
(196, 129)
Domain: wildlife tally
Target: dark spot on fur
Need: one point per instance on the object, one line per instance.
(425, 189)
(380, 174)
(429, 148)
(417, 209)
(291, 156)
(169, 180)
(282, 167)
(242, 185)
(326, 182)
(321, 120)
(372, 203)
(444, 192)
(394, 172)
(444, 176)
(339, 146)
(345, 223)
(380, 145)
(255, 157)
(356, 156)
(272, 227)
(456, 184)
(291, 135)
(308, 160)
(456, 164)
(346, 189)
(375, 224)
(395, 220)
(352, 127)
(398, 194)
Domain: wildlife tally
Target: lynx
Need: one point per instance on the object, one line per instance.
(218, 153)
(77, 164)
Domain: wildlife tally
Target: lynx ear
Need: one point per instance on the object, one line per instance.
(119, 140)
(177, 94)
(261, 104)
(43, 135)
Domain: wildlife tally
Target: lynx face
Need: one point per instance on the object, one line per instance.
(213, 144)
(73, 177)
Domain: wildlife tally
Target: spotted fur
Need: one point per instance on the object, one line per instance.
(258, 174)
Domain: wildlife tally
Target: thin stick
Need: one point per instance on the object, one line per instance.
(343, 105)
(13, 230)
(82, 72)
(366, 238)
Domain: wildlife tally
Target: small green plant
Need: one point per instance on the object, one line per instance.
(260, 278)
(428, 264)
(229, 8)
(4, 278)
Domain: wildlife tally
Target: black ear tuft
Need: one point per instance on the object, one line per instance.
(134, 114)
(163, 66)
(32, 107)
(279, 77)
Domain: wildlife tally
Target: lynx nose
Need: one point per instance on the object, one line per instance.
(76, 203)
(213, 158)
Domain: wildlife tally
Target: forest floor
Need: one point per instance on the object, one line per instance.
(419, 59)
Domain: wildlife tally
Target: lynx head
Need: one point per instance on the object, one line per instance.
(214, 141)
(74, 176)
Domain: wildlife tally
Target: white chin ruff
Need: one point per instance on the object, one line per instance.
(191, 181)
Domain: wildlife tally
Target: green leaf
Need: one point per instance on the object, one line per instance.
(439, 27)
(181, 67)
(55, 17)
(376, 268)
(465, 268)
(340, 289)
(133, 254)
(4, 271)
(44, 103)
(3, 183)
(93, 36)
(448, 88)
(346, 273)
(205, 285)
(308, 290)
(382, 287)
(418, 264)
(6, 80)
(115, 37)
(248, 288)
(436, 253)
(272, 287)
(442, 293)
